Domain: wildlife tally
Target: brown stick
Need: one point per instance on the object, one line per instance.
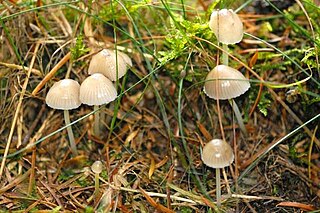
(51, 73)
(32, 174)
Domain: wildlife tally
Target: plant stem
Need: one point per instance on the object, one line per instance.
(225, 56)
(218, 187)
(238, 116)
(70, 133)
(96, 121)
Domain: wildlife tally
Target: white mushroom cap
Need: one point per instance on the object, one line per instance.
(97, 166)
(97, 90)
(227, 26)
(231, 84)
(105, 62)
(64, 95)
(217, 154)
(126, 58)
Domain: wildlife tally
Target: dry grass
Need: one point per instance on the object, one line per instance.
(155, 129)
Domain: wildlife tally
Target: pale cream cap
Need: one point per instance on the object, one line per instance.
(105, 62)
(126, 58)
(64, 95)
(217, 154)
(97, 90)
(97, 167)
(227, 26)
(231, 85)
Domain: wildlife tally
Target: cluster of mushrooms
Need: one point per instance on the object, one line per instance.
(97, 89)
(224, 83)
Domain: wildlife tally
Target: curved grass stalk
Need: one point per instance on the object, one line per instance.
(252, 165)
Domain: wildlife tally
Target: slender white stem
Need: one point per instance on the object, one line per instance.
(218, 187)
(96, 121)
(238, 115)
(70, 133)
(225, 56)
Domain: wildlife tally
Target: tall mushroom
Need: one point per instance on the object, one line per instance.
(224, 82)
(227, 27)
(217, 154)
(96, 167)
(97, 90)
(64, 95)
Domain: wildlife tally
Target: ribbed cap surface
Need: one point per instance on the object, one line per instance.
(97, 90)
(64, 95)
(105, 62)
(231, 84)
(217, 154)
(227, 26)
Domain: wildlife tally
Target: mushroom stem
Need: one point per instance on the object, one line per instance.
(237, 113)
(218, 187)
(96, 184)
(96, 120)
(225, 56)
(70, 133)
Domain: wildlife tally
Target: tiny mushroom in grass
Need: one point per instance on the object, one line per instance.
(224, 82)
(217, 154)
(96, 168)
(228, 28)
(105, 62)
(97, 90)
(64, 95)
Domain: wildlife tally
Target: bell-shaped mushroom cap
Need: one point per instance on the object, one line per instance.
(105, 62)
(64, 95)
(97, 90)
(126, 58)
(227, 26)
(97, 166)
(224, 82)
(217, 154)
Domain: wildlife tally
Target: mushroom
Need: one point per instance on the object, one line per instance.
(64, 95)
(224, 82)
(96, 168)
(217, 154)
(105, 62)
(227, 27)
(97, 90)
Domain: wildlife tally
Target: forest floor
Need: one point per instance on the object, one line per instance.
(153, 133)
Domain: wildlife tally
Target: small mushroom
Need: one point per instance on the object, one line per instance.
(217, 154)
(224, 82)
(227, 26)
(105, 62)
(97, 90)
(64, 95)
(96, 168)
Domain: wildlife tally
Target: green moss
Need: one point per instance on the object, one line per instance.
(79, 48)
